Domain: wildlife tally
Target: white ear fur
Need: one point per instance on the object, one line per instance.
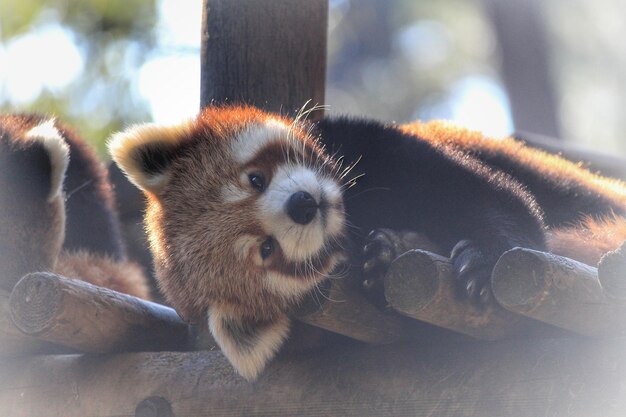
(58, 152)
(125, 147)
(248, 346)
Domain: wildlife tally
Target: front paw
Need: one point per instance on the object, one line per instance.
(473, 270)
(378, 252)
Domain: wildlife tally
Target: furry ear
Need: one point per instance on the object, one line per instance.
(247, 344)
(58, 153)
(144, 152)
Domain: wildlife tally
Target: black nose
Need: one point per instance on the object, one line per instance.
(301, 207)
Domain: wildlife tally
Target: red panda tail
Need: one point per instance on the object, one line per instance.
(588, 240)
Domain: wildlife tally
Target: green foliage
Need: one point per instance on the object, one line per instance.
(114, 38)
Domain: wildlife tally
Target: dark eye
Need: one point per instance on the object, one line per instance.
(257, 181)
(267, 248)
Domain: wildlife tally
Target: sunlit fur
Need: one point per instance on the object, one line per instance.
(206, 222)
(588, 240)
(139, 135)
(585, 240)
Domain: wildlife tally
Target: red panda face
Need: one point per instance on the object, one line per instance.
(245, 215)
(288, 189)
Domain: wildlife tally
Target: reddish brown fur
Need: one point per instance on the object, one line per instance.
(188, 220)
(126, 276)
(590, 240)
(210, 234)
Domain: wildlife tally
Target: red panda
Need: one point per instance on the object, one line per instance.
(597, 225)
(248, 211)
(57, 210)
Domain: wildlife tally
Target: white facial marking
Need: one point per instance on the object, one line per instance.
(298, 242)
(286, 286)
(334, 216)
(292, 287)
(248, 144)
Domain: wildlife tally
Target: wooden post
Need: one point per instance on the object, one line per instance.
(521, 35)
(88, 318)
(267, 53)
(421, 285)
(557, 290)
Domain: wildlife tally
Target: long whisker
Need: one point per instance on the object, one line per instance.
(75, 190)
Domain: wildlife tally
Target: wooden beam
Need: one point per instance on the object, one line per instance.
(268, 53)
(346, 311)
(88, 318)
(557, 290)
(525, 377)
(422, 285)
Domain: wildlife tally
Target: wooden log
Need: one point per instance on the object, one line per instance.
(15, 343)
(522, 378)
(88, 318)
(268, 53)
(346, 311)
(612, 274)
(422, 285)
(557, 290)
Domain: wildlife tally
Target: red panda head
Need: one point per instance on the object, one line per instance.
(244, 217)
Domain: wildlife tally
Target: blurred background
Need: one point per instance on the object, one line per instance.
(553, 67)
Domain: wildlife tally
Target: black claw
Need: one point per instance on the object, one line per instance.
(463, 269)
(378, 252)
(370, 247)
(368, 284)
(370, 235)
(470, 287)
(459, 247)
(473, 270)
(485, 294)
(369, 265)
